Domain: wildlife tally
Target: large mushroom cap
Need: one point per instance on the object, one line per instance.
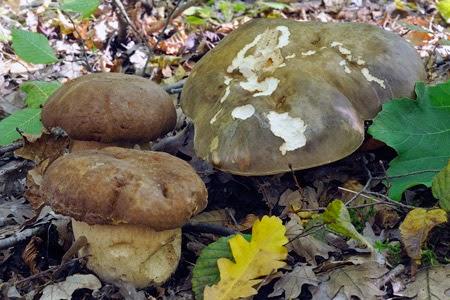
(110, 107)
(124, 186)
(276, 94)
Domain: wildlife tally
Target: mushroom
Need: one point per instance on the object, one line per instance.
(111, 108)
(130, 205)
(281, 94)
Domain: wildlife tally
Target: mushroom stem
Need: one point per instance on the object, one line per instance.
(130, 253)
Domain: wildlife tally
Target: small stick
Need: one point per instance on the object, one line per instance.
(20, 236)
(73, 250)
(11, 147)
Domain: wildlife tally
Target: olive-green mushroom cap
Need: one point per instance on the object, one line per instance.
(110, 108)
(277, 94)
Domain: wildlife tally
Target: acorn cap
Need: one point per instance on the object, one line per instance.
(124, 186)
(110, 107)
(281, 94)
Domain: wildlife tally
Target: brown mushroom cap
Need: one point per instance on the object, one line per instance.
(124, 186)
(110, 107)
(276, 94)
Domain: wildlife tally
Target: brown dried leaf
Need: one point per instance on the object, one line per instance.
(44, 147)
(351, 281)
(430, 283)
(291, 282)
(307, 246)
(30, 254)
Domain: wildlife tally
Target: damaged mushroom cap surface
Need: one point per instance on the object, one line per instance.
(130, 205)
(110, 108)
(276, 94)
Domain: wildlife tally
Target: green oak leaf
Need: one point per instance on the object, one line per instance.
(84, 7)
(206, 271)
(337, 219)
(419, 130)
(38, 92)
(32, 47)
(27, 120)
(441, 188)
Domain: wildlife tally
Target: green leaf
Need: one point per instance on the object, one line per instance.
(84, 7)
(27, 120)
(420, 133)
(194, 20)
(32, 47)
(441, 188)
(206, 272)
(38, 92)
(443, 7)
(337, 218)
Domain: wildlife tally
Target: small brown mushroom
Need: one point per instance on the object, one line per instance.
(280, 94)
(130, 205)
(110, 108)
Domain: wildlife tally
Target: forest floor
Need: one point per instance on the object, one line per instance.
(163, 40)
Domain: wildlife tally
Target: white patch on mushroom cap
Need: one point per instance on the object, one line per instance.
(227, 80)
(308, 53)
(243, 112)
(369, 77)
(283, 40)
(214, 118)
(290, 56)
(225, 95)
(343, 63)
(360, 61)
(291, 130)
(335, 44)
(266, 58)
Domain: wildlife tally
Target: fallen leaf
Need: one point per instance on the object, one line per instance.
(217, 217)
(16, 209)
(441, 188)
(45, 147)
(337, 218)
(351, 281)
(291, 282)
(306, 246)
(416, 226)
(430, 283)
(261, 256)
(64, 290)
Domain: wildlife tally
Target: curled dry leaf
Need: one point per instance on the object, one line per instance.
(30, 254)
(416, 226)
(306, 246)
(351, 281)
(291, 282)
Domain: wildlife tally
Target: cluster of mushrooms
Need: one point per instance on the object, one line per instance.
(274, 95)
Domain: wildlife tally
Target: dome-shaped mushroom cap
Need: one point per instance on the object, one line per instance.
(110, 107)
(124, 186)
(281, 93)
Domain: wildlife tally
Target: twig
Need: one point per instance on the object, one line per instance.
(390, 275)
(124, 14)
(395, 203)
(408, 174)
(20, 236)
(174, 88)
(55, 268)
(160, 35)
(307, 232)
(81, 43)
(14, 165)
(11, 147)
(210, 228)
(366, 186)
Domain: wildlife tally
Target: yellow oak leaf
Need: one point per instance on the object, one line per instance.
(416, 226)
(263, 255)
